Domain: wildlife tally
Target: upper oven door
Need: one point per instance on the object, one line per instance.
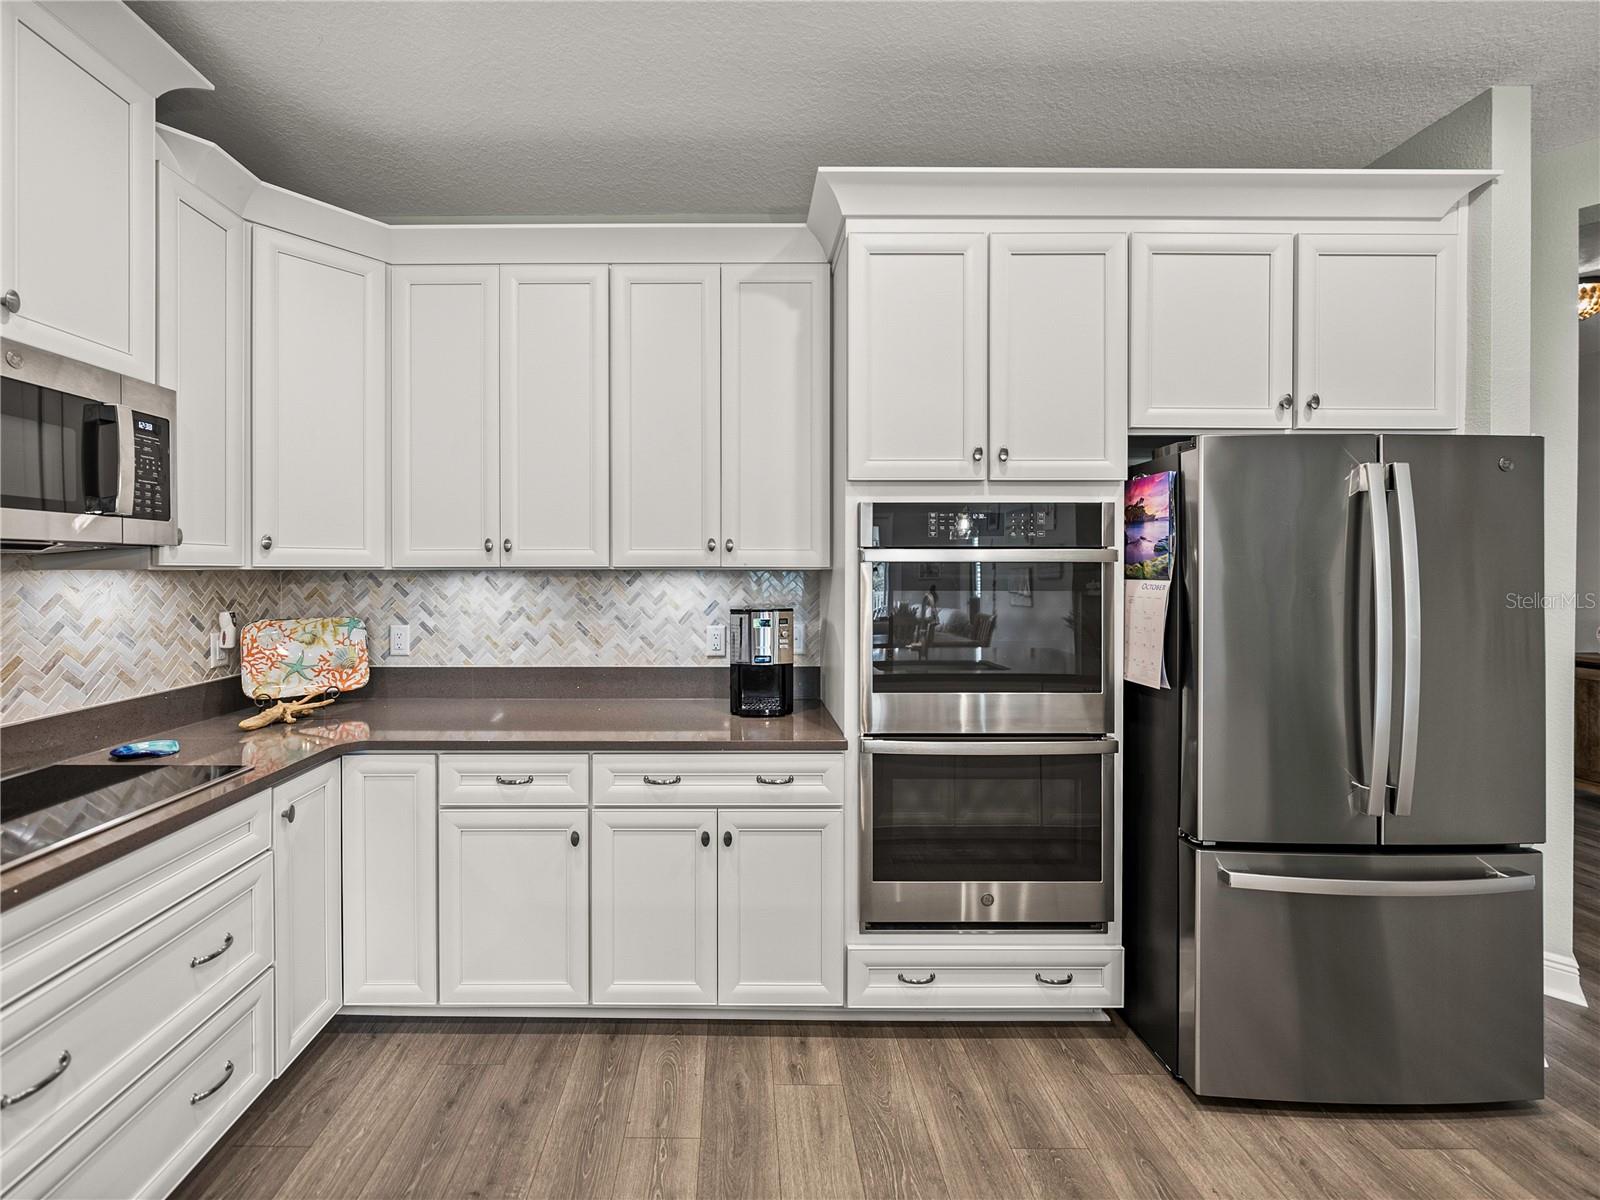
(987, 642)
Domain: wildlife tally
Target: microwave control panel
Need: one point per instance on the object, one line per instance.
(152, 452)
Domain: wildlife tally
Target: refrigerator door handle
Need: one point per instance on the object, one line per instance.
(1369, 478)
(1411, 600)
(1492, 882)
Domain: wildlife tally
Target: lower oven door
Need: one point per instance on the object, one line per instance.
(962, 832)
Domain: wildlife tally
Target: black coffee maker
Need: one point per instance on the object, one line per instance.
(761, 658)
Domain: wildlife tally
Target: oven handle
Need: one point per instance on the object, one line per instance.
(880, 554)
(864, 663)
(966, 746)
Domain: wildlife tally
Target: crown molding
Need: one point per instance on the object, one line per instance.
(128, 44)
(843, 193)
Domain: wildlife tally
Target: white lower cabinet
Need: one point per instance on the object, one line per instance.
(780, 906)
(1010, 977)
(306, 870)
(389, 852)
(153, 1134)
(513, 906)
(655, 906)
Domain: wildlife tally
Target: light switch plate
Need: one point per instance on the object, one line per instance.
(799, 637)
(399, 641)
(716, 641)
(216, 653)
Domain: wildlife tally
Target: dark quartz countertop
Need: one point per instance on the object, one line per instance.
(412, 724)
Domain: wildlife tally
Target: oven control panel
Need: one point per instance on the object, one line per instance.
(1081, 525)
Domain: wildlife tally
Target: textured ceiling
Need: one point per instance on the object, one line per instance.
(491, 110)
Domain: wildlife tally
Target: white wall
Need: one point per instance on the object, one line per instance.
(1492, 131)
(1564, 181)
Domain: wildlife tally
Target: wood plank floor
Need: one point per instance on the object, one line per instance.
(434, 1108)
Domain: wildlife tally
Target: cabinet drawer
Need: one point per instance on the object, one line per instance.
(985, 978)
(121, 1010)
(513, 780)
(648, 780)
(146, 1142)
(45, 936)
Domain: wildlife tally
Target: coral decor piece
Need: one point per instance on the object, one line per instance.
(287, 659)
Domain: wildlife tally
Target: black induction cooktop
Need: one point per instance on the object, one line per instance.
(41, 810)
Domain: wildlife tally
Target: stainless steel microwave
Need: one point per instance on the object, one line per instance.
(86, 456)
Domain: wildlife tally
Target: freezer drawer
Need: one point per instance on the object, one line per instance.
(1361, 978)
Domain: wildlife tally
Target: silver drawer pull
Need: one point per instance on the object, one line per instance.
(513, 780)
(227, 1074)
(774, 782)
(200, 960)
(923, 982)
(654, 782)
(1062, 982)
(62, 1064)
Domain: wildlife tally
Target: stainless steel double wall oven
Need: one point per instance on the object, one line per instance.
(986, 702)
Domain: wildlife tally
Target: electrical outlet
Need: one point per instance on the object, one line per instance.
(216, 653)
(799, 637)
(399, 641)
(716, 641)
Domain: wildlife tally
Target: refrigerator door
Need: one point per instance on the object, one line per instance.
(1470, 719)
(1278, 595)
(1362, 978)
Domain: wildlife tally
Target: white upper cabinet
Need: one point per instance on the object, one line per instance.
(77, 227)
(1058, 356)
(554, 387)
(445, 379)
(1212, 337)
(1379, 341)
(666, 416)
(318, 405)
(917, 368)
(775, 415)
(202, 328)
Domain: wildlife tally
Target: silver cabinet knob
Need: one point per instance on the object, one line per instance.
(1285, 402)
(977, 454)
(728, 545)
(506, 545)
(575, 838)
(1315, 402)
(288, 814)
(13, 359)
(266, 541)
(488, 545)
(711, 545)
(11, 302)
(1004, 455)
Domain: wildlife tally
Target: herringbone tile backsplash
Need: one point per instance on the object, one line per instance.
(69, 639)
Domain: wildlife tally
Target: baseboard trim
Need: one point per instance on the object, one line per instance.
(616, 1012)
(1561, 978)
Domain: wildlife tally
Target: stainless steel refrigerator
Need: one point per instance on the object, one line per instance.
(1329, 893)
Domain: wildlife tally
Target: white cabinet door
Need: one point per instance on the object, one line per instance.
(1212, 331)
(445, 379)
(666, 463)
(306, 860)
(200, 353)
(780, 904)
(77, 229)
(513, 906)
(555, 490)
(1058, 356)
(775, 416)
(318, 405)
(917, 370)
(1380, 339)
(390, 886)
(654, 912)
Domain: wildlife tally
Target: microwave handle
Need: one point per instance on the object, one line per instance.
(113, 473)
(969, 746)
